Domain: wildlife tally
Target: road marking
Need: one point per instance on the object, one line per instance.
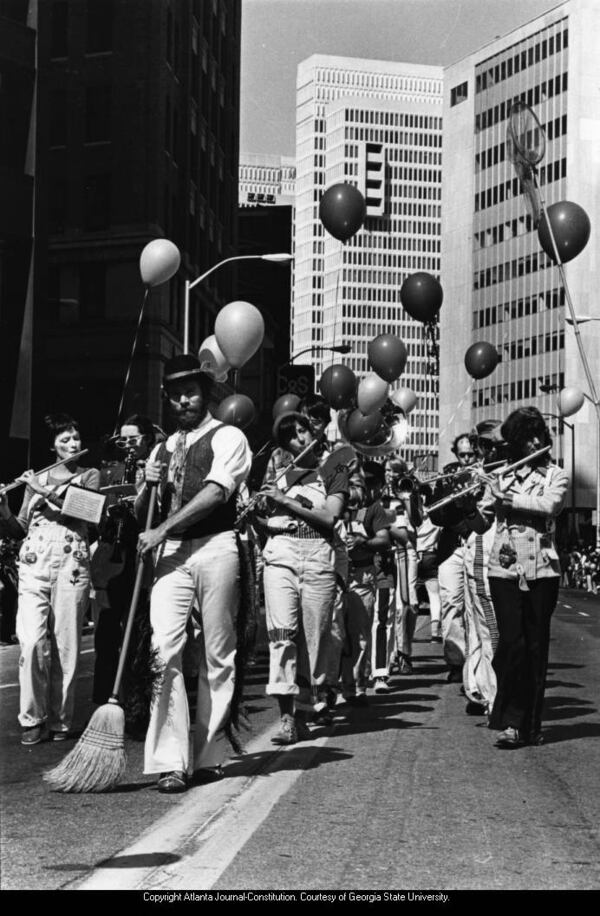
(582, 614)
(229, 812)
(568, 606)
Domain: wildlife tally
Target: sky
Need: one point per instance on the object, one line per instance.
(278, 34)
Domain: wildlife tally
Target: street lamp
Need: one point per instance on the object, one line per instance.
(336, 348)
(580, 319)
(562, 422)
(282, 258)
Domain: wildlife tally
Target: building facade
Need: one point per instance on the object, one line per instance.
(499, 285)
(266, 181)
(138, 114)
(376, 125)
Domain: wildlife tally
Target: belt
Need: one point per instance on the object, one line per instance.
(302, 533)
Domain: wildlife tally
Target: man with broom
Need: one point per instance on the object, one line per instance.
(198, 471)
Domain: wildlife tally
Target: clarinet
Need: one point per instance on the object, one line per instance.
(129, 475)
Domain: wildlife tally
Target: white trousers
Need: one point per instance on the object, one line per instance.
(451, 578)
(205, 570)
(54, 588)
(407, 604)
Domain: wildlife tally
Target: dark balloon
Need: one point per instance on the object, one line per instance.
(236, 410)
(342, 211)
(284, 404)
(338, 386)
(571, 227)
(364, 429)
(422, 296)
(481, 359)
(387, 356)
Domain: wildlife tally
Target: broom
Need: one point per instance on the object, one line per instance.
(98, 760)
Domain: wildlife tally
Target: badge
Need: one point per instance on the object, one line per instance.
(30, 558)
(67, 548)
(79, 555)
(507, 555)
(68, 537)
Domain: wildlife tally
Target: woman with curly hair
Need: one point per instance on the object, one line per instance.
(524, 575)
(54, 586)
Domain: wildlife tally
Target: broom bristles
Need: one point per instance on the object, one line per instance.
(98, 760)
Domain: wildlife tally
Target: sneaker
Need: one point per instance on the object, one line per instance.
(170, 783)
(31, 735)
(58, 736)
(510, 737)
(302, 729)
(381, 686)
(405, 666)
(288, 733)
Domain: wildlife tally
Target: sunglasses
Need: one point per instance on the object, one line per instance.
(125, 441)
(465, 454)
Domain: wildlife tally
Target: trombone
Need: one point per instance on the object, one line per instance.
(57, 464)
(499, 472)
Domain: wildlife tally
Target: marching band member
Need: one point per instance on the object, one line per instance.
(54, 587)
(405, 504)
(113, 571)
(524, 574)
(198, 469)
(299, 576)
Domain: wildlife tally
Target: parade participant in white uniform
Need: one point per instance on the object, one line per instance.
(54, 587)
(199, 470)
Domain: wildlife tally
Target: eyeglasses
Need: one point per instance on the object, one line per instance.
(125, 441)
(465, 454)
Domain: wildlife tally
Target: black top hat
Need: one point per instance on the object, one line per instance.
(184, 366)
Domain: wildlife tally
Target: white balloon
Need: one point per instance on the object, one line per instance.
(159, 261)
(239, 329)
(212, 360)
(404, 398)
(372, 393)
(570, 400)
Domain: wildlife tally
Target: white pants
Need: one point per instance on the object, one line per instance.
(205, 570)
(360, 604)
(54, 588)
(481, 633)
(451, 578)
(383, 638)
(407, 604)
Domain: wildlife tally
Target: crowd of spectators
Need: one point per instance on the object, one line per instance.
(580, 568)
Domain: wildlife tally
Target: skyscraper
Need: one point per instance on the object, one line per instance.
(377, 125)
(499, 284)
(138, 114)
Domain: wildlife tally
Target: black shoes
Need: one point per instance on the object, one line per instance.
(206, 775)
(171, 783)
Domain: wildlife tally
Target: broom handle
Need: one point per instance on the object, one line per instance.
(137, 588)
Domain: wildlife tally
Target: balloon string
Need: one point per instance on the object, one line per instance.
(447, 426)
(337, 290)
(129, 367)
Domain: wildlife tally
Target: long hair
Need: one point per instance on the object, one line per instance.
(287, 428)
(145, 426)
(520, 426)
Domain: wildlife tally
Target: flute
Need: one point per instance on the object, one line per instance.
(253, 502)
(57, 464)
(500, 472)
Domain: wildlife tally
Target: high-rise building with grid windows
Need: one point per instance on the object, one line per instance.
(376, 125)
(499, 285)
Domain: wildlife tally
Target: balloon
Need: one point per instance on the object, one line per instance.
(372, 393)
(570, 400)
(571, 227)
(364, 429)
(387, 356)
(286, 403)
(404, 398)
(237, 410)
(481, 359)
(159, 261)
(342, 210)
(239, 330)
(212, 359)
(422, 296)
(338, 386)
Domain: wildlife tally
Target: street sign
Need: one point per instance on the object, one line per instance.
(298, 380)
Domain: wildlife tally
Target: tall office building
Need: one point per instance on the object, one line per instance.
(266, 180)
(138, 125)
(18, 22)
(377, 125)
(499, 285)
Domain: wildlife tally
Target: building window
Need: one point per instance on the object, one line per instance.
(57, 205)
(59, 28)
(99, 26)
(92, 290)
(96, 202)
(459, 94)
(58, 119)
(97, 114)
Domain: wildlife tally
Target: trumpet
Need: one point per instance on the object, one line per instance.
(253, 502)
(482, 477)
(57, 464)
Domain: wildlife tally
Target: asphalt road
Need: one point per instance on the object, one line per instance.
(410, 793)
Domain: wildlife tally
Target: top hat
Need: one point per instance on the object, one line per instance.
(184, 366)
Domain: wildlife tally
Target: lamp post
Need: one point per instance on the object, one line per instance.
(571, 426)
(336, 348)
(282, 258)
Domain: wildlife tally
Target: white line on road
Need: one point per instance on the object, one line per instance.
(583, 614)
(228, 812)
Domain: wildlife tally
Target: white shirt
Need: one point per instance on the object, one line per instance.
(232, 457)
